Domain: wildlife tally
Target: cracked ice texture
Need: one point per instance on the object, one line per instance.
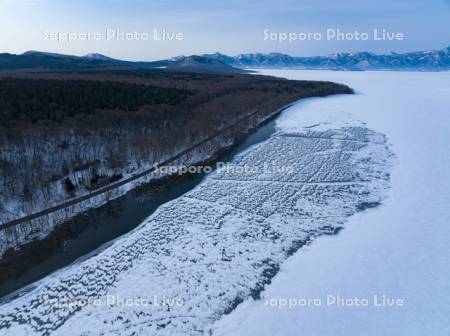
(219, 243)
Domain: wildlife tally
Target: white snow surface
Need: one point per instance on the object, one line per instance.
(400, 249)
(220, 243)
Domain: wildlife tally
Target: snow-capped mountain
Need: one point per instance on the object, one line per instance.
(201, 63)
(421, 60)
(96, 56)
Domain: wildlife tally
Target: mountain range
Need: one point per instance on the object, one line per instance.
(435, 60)
(41, 61)
(420, 60)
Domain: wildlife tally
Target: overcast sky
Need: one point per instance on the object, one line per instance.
(230, 27)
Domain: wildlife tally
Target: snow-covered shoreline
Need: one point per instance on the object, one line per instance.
(399, 250)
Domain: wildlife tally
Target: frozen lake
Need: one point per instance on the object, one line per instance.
(200, 262)
(399, 250)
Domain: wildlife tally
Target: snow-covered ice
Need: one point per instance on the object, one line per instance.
(400, 249)
(199, 256)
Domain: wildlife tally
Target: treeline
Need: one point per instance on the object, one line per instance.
(65, 134)
(52, 101)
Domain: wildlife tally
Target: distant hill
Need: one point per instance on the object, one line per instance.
(49, 61)
(421, 60)
(188, 63)
(36, 60)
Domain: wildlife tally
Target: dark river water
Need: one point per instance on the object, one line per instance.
(119, 217)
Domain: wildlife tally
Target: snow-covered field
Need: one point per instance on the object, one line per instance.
(400, 249)
(199, 256)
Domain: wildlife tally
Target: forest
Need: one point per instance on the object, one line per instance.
(25, 101)
(65, 134)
